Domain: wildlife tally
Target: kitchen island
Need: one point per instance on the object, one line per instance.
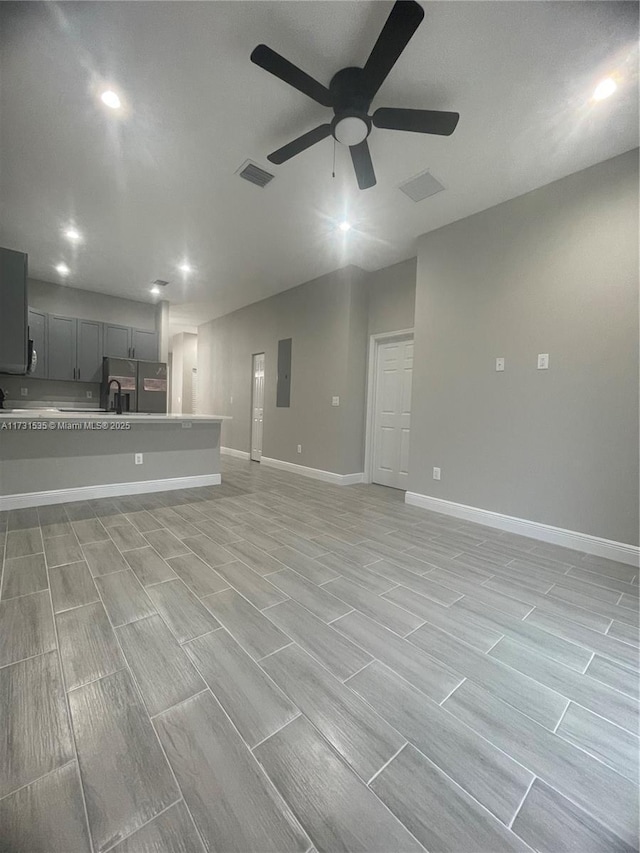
(49, 456)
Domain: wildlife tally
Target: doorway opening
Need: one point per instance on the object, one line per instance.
(257, 405)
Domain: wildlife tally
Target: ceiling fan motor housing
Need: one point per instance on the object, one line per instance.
(351, 125)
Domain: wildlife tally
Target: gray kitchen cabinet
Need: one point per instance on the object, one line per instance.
(89, 352)
(144, 345)
(62, 347)
(117, 341)
(38, 334)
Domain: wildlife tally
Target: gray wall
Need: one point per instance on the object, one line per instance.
(319, 317)
(329, 320)
(75, 302)
(61, 459)
(554, 271)
(392, 297)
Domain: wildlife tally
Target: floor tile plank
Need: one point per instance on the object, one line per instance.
(161, 668)
(335, 807)
(129, 782)
(253, 701)
(185, 615)
(333, 650)
(609, 797)
(424, 672)
(238, 811)
(549, 822)
(316, 599)
(24, 575)
(148, 566)
(490, 776)
(360, 735)
(88, 647)
(247, 625)
(171, 832)
(198, 576)
(72, 586)
(439, 813)
(26, 627)
(36, 735)
(123, 597)
(46, 815)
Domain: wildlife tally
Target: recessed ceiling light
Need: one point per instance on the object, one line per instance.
(345, 226)
(605, 88)
(63, 269)
(72, 234)
(185, 268)
(155, 290)
(111, 99)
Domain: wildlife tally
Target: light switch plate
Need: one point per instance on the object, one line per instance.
(436, 473)
(24, 392)
(499, 364)
(543, 361)
(335, 401)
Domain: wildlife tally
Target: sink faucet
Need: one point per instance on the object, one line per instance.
(2, 398)
(117, 397)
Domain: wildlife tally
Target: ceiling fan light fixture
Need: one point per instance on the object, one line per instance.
(351, 130)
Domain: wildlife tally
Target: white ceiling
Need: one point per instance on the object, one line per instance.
(158, 183)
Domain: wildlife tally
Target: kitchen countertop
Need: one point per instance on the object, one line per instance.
(90, 414)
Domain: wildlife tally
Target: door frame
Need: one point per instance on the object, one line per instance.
(374, 344)
(253, 355)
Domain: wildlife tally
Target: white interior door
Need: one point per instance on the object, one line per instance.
(392, 413)
(257, 406)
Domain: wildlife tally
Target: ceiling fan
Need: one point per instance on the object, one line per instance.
(351, 91)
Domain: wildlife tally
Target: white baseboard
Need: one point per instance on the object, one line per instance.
(231, 451)
(314, 473)
(111, 490)
(584, 542)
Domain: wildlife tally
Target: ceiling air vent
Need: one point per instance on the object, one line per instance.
(160, 282)
(253, 173)
(422, 186)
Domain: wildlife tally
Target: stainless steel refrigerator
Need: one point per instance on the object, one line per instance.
(143, 384)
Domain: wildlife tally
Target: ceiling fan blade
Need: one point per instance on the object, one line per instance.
(291, 74)
(300, 144)
(363, 166)
(418, 121)
(401, 24)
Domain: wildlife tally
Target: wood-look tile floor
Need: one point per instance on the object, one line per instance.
(277, 664)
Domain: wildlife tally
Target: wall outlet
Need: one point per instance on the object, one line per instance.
(299, 448)
(186, 424)
(335, 401)
(543, 361)
(499, 364)
(436, 473)
(89, 395)
(24, 392)
(138, 458)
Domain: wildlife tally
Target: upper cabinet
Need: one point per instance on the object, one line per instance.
(144, 345)
(62, 347)
(38, 334)
(72, 350)
(124, 342)
(89, 351)
(117, 341)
